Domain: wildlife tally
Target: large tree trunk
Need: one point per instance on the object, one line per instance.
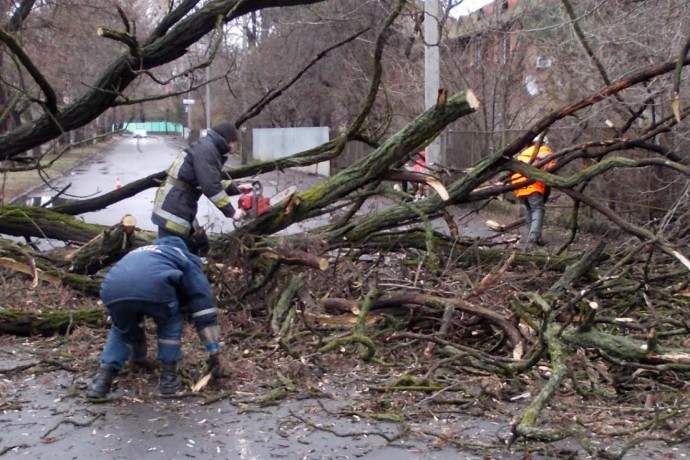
(49, 323)
(109, 247)
(45, 223)
(370, 170)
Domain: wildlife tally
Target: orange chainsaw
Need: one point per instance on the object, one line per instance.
(254, 203)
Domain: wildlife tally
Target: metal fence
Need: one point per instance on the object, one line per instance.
(151, 127)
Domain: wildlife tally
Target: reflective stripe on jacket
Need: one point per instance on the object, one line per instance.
(198, 168)
(526, 157)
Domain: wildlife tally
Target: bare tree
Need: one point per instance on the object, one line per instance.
(607, 316)
(182, 26)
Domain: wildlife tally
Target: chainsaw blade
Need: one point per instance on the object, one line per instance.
(280, 196)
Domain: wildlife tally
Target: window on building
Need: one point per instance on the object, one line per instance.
(531, 85)
(478, 52)
(544, 62)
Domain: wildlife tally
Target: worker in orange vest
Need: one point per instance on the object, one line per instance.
(534, 195)
(419, 166)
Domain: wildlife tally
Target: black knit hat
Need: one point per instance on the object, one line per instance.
(227, 130)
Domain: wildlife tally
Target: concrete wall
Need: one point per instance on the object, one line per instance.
(272, 143)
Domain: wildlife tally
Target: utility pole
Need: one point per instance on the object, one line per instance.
(244, 155)
(208, 97)
(189, 121)
(188, 103)
(431, 71)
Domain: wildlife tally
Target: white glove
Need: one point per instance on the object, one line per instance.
(239, 214)
(245, 188)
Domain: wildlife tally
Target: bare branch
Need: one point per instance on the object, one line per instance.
(274, 93)
(156, 50)
(51, 99)
(589, 51)
(20, 14)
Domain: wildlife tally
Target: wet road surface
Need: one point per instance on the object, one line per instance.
(45, 417)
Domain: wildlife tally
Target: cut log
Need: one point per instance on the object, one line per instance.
(626, 348)
(108, 247)
(498, 227)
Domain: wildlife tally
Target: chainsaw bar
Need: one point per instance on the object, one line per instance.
(280, 196)
(256, 204)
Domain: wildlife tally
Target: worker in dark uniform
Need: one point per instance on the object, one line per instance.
(156, 281)
(197, 171)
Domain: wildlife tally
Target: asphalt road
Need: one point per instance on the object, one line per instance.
(132, 159)
(45, 416)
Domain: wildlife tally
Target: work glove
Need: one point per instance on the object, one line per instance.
(217, 366)
(245, 188)
(239, 214)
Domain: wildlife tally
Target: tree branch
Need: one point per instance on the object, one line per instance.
(274, 93)
(51, 99)
(588, 50)
(116, 77)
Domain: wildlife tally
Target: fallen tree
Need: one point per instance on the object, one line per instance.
(389, 289)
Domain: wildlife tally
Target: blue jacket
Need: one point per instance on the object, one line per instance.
(166, 273)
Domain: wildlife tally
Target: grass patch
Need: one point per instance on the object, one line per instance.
(16, 184)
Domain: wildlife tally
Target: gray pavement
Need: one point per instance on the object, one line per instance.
(44, 416)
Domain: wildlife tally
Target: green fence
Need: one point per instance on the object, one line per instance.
(152, 127)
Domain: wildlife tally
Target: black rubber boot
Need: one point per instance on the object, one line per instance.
(536, 224)
(535, 203)
(169, 380)
(100, 386)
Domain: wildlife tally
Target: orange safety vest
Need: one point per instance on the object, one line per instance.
(526, 157)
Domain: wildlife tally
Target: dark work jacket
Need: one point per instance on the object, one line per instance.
(164, 273)
(196, 170)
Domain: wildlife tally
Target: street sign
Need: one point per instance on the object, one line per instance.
(188, 101)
